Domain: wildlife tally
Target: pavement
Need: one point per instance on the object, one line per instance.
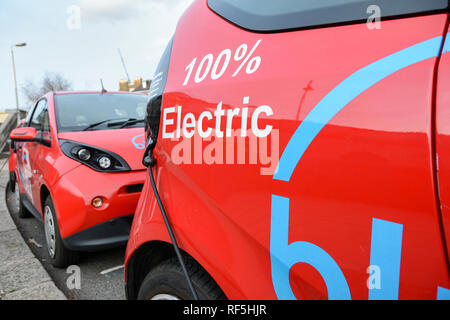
(100, 274)
(22, 276)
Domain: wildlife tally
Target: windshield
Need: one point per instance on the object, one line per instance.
(96, 111)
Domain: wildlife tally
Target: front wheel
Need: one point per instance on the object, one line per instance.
(167, 282)
(59, 255)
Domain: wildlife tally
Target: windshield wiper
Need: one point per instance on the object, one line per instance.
(100, 123)
(130, 122)
(125, 123)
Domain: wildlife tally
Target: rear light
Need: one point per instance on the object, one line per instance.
(95, 158)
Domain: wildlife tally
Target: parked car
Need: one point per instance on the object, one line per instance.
(76, 166)
(356, 204)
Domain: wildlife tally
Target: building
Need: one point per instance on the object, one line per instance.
(138, 85)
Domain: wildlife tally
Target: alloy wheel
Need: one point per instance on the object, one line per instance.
(50, 233)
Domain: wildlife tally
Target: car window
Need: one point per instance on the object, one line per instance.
(39, 119)
(45, 121)
(75, 112)
(29, 114)
(279, 15)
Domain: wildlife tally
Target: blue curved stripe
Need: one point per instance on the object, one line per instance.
(443, 294)
(446, 44)
(343, 94)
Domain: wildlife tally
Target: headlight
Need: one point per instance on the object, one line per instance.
(84, 154)
(95, 158)
(104, 162)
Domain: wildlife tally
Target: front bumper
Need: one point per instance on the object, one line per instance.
(109, 234)
(81, 225)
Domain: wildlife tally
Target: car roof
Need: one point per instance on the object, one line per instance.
(96, 92)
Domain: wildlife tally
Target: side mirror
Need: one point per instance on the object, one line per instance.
(23, 134)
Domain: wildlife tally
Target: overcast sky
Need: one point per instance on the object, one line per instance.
(83, 50)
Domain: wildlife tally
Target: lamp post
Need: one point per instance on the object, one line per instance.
(20, 44)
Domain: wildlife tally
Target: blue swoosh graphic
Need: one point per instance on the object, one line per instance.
(347, 91)
(138, 145)
(447, 44)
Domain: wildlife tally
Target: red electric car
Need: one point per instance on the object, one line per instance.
(76, 166)
(300, 150)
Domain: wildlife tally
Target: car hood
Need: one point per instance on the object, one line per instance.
(128, 143)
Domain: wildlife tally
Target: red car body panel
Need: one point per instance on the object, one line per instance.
(443, 138)
(76, 192)
(374, 159)
(71, 184)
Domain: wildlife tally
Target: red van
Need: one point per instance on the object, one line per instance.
(300, 150)
(76, 166)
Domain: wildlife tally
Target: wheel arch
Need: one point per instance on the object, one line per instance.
(147, 257)
(44, 193)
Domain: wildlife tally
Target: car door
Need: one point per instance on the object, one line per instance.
(31, 151)
(349, 210)
(23, 156)
(39, 160)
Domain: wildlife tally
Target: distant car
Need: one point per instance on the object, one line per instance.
(337, 185)
(76, 166)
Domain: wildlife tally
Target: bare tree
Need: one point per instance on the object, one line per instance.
(50, 82)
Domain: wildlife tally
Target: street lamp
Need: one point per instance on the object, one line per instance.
(19, 44)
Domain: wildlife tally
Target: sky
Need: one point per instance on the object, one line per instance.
(79, 39)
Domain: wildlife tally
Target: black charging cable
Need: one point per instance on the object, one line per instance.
(149, 161)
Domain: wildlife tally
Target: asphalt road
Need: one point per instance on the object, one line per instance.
(94, 284)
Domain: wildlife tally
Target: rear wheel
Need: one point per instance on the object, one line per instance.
(59, 255)
(22, 211)
(167, 282)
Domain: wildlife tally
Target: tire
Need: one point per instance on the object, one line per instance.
(22, 211)
(59, 255)
(167, 282)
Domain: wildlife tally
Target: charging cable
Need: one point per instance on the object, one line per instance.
(149, 161)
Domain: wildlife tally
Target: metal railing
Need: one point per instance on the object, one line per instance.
(5, 128)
